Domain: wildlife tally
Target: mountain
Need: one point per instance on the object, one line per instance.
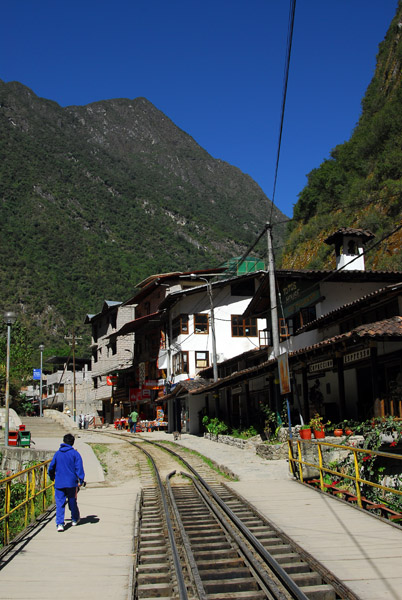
(360, 185)
(95, 198)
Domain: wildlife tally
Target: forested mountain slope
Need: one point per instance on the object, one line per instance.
(360, 185)
(95, 198)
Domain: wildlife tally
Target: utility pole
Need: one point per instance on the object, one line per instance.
(72, 344)
(274, 313)
(272, 293)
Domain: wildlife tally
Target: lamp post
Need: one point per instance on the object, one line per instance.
(211, 308)
(41, 348)
(9, 319)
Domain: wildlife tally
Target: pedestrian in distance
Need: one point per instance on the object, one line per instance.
(67, 472)
(134, 419)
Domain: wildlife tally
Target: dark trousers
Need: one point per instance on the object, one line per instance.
(133, 427)
(62, 497)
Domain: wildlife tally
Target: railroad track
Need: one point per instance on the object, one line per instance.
(196, 538)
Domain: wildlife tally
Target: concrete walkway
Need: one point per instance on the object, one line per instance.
(91, 561)
(361, 550)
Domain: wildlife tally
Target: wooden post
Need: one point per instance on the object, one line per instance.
(341, 386)
(306, 403)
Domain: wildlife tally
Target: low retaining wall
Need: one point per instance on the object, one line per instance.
(280, 451)
(16, 459)
(233, 441)
(273, 451)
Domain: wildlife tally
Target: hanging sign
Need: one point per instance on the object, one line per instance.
(36, 374)
(358, 355)
(111, 379)
(284, 379)
(321, 366)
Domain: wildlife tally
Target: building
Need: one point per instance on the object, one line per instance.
(109, 354)
(340, 332)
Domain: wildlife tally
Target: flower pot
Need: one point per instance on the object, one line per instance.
(319, 434)
(305, 434)
(338, 432)
(348, 432)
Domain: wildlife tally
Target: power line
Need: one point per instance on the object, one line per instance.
(285, 87)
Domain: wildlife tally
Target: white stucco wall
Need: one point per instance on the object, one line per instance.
(227, 346)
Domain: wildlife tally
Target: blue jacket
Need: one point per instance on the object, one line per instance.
(66, 467)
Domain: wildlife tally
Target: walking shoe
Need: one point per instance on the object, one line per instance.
(74, 523)
(60, 527)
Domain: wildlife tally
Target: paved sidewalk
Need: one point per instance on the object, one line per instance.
(363, 551)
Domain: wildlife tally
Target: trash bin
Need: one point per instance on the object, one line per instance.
(24, 438)
(12, 438)
(22, 427)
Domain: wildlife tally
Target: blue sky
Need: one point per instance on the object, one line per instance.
(215, 67)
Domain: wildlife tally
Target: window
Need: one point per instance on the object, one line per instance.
(307, 315)
(112, 348)
(243, 327)
(113, 320)
(283, 329)
(94, 355)
(201, 360)
(180, 363)
(179, 325)
(201, 323)
(265, 338)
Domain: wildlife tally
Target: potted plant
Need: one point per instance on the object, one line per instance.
(305, 432)
(317, 426)
(348, 430)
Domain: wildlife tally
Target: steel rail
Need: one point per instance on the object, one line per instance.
(186, 542)
(176, 559)
(265, 580)
(280, 573)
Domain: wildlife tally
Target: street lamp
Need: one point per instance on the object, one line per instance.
(41, 348)
(9, 319)
(211, 307)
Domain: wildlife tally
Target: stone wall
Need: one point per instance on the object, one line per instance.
(16, 459)
(233, 441)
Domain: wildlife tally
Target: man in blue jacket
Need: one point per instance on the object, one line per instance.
(67, 472)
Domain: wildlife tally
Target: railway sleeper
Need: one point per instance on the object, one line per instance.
(228, 573)
(155, 590)
(161, 567)
(216, 586)
(298, 566)
(205, 554)
(203, 534)
(147, 578)
(155, 558)
(221, 563)
(307, 579)
(275, 549)
(319, 592)
(247, 595)
(199, 547)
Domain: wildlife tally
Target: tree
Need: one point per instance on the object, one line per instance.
(20, 358)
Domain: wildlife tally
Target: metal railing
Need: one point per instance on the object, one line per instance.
(360, 455)
(23, 496)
